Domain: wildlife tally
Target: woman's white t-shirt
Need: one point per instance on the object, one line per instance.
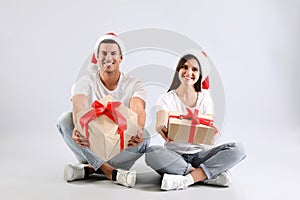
(92, 87)
(171, 102)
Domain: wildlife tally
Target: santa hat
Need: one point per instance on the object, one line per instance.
(204, 64)
(93, 66)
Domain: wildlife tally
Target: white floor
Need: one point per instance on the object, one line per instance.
(32, 168)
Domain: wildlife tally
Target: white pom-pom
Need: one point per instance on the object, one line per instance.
(93, 68)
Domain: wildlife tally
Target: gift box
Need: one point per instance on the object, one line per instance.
(107, 125)
(190, 128)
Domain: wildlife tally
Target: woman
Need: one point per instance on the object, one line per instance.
(184, 164)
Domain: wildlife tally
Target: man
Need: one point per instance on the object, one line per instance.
(106, 80)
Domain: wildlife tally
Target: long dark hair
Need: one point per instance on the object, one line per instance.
(176, 82)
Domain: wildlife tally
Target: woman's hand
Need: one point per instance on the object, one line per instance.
(215, 129)
(163, 131)
(79, 139)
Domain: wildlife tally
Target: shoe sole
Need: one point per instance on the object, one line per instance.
(163, 184)
(133, 173)
(226, 182)
(66, 173)
(132, 176)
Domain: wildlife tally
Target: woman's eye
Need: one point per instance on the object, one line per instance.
(195, 69)
(184, 67)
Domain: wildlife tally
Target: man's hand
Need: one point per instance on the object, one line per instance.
(134, 141)
(79, 139)
(163, 131)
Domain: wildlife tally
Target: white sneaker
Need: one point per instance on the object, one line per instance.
(74, 172)
(126, 178)
(174, 182)
(220, 180)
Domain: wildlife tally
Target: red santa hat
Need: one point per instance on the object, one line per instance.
(94, 66)
(204, 64)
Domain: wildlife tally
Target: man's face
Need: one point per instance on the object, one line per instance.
(109, 57)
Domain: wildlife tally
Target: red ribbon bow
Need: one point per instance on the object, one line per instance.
(195, 121)
(110, 112)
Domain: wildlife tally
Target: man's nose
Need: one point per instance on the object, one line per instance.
(108, 56)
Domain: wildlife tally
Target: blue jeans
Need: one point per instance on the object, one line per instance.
(124, 160)
(213, 161)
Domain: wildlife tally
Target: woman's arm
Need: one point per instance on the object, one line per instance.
(161, 123)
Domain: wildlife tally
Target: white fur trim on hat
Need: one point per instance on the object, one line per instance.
(202, 58)
(93, 67)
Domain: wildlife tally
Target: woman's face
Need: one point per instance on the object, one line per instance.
(189, 72)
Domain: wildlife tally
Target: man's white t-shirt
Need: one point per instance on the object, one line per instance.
(92, 87)
(171, 102)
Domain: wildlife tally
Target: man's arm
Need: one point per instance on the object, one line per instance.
(79, 102)
(138, 106)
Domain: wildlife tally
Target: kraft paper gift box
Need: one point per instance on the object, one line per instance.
(183, 128)
(107, 125)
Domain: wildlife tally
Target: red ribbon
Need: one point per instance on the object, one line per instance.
(195, 121)
(110, 112)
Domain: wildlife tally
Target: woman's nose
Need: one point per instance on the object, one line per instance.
(189, 70)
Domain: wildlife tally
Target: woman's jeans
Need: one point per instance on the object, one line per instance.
(213, 161)
(124, 160)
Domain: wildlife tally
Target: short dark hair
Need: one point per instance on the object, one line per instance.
(176, 82)
(109, 41)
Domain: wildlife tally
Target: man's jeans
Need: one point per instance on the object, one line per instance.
(124, 160)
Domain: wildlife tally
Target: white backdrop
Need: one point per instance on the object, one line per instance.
(254, 45)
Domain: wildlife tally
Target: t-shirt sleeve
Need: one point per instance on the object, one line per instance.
(208, 104)
(162, 104)
(81, 86)
(139, 90)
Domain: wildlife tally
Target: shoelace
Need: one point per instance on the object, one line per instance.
(76, 172)
(220, 180)
(122, 176)
(180, 184)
